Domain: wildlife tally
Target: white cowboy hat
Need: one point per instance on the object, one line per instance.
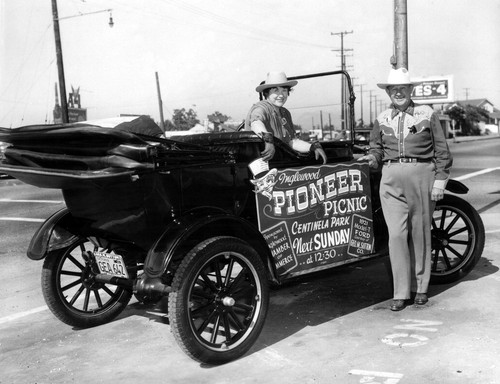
(399, 76)
(276, 79)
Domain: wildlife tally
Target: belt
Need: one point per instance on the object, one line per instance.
(407, 160)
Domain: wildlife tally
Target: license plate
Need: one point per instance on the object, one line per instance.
(111, 264)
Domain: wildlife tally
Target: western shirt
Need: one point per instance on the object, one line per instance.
(413, 133)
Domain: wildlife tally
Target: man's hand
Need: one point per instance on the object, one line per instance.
(437, 194)
(372, 161)
(319, 152)
(268, 152)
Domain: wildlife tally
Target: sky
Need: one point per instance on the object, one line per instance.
(211, 54)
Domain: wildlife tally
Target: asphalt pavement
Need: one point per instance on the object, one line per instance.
(335, 327)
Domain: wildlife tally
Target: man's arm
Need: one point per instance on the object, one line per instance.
(374, 157)
(442, 154)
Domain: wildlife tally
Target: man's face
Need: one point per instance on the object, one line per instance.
(278, 96)
(400, 95)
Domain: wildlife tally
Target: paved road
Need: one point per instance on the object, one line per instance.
(335, 328)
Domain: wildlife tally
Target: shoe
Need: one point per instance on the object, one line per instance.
(398, 305)
(421, 298)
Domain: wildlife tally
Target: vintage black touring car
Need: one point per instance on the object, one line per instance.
(185, 217)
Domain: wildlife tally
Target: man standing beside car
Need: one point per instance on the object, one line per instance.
(410, 143)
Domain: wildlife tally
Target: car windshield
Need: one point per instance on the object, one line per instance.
(318, 109)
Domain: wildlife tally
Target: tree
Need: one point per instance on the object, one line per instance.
(169, 126)
(457, 113)
(217, 119)
(184, 120)
(467, 118)
(473, 116)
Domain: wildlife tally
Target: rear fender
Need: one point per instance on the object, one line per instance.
(52, 234)
(184, 233)
(457, 187)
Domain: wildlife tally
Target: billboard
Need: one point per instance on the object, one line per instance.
(435, 89)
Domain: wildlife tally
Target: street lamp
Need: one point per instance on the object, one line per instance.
(59, 55)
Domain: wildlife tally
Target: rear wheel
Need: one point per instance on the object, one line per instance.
(71, 292)
(457, 239)
(219, 300)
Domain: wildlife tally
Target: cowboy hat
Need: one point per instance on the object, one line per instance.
(399, 76)
(276, 79)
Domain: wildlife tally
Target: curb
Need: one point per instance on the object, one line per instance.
(463, 139)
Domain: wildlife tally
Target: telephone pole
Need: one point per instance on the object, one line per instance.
(60, 66)
(59, 55)
(400, 56)
(160, 103)
(466, 94)
(342, 64)
(371, 118)
(375, 105)
(321, 123)
(361, 101)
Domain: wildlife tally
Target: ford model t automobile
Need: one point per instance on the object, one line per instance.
(186, 217)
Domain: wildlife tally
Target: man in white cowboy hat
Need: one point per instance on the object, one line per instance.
(269, 119)
(410, 143)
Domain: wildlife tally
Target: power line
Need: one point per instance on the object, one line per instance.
(236, 27)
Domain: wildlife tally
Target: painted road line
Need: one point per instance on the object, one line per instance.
(372, 374)
(31, 201)
(17, 316)
(473, 174)
(27, 219)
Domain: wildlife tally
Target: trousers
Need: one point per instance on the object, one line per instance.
(405, 194)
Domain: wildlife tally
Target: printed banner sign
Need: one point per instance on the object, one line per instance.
(316, 217)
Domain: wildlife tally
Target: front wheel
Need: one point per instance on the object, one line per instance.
(457, 239)
(219, 300)
(71, 292)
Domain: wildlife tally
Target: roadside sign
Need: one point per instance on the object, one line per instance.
(436, 89)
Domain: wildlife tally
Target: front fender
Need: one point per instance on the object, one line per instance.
(456, 186)
(184, 233)
(52, 234)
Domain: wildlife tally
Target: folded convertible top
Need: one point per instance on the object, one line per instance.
(62, 156)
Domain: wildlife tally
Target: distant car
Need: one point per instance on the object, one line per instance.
(2, 149)
(2, 156)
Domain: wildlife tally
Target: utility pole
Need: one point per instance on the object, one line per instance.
(330, 125)
(375, 104)
(371, 118)
(321, 123)
(466, 94)
(160, 103)
(346, 97)
(60, 65)
(59, 55)
(361, 101)
(400, 57)
(342, 63)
